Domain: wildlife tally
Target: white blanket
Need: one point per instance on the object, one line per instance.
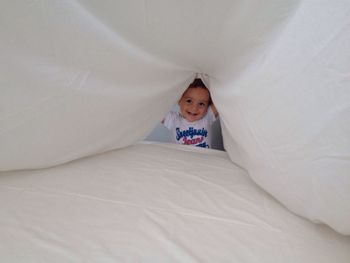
(80, 77)
(152, 203)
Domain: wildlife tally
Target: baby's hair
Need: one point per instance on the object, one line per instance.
(198, 83)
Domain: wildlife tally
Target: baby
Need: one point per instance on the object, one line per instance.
(191, 126)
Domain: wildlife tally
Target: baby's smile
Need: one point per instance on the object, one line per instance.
(191, 113)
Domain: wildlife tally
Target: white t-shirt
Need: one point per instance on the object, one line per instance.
(195, 133)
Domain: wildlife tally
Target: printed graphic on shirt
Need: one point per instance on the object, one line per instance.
(192, 136)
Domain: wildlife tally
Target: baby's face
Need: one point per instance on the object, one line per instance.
(194, 103)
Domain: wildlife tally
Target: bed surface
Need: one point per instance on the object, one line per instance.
(154, 203)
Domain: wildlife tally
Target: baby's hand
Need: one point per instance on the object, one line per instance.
(213, 108)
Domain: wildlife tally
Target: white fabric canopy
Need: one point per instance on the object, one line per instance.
(83, 77)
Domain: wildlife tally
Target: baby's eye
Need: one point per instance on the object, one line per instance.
(202, 104)
(188, 101)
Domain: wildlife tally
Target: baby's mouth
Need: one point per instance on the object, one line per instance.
(192, 114)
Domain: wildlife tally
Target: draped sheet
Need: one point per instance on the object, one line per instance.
(83, 77)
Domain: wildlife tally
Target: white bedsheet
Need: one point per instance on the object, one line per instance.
(154, 203)
(81, 77)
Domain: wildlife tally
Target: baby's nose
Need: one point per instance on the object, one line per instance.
(195, 107)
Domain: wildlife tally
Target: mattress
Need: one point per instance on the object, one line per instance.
(153, 202)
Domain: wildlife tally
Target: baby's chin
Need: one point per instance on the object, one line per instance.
(191, 117)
